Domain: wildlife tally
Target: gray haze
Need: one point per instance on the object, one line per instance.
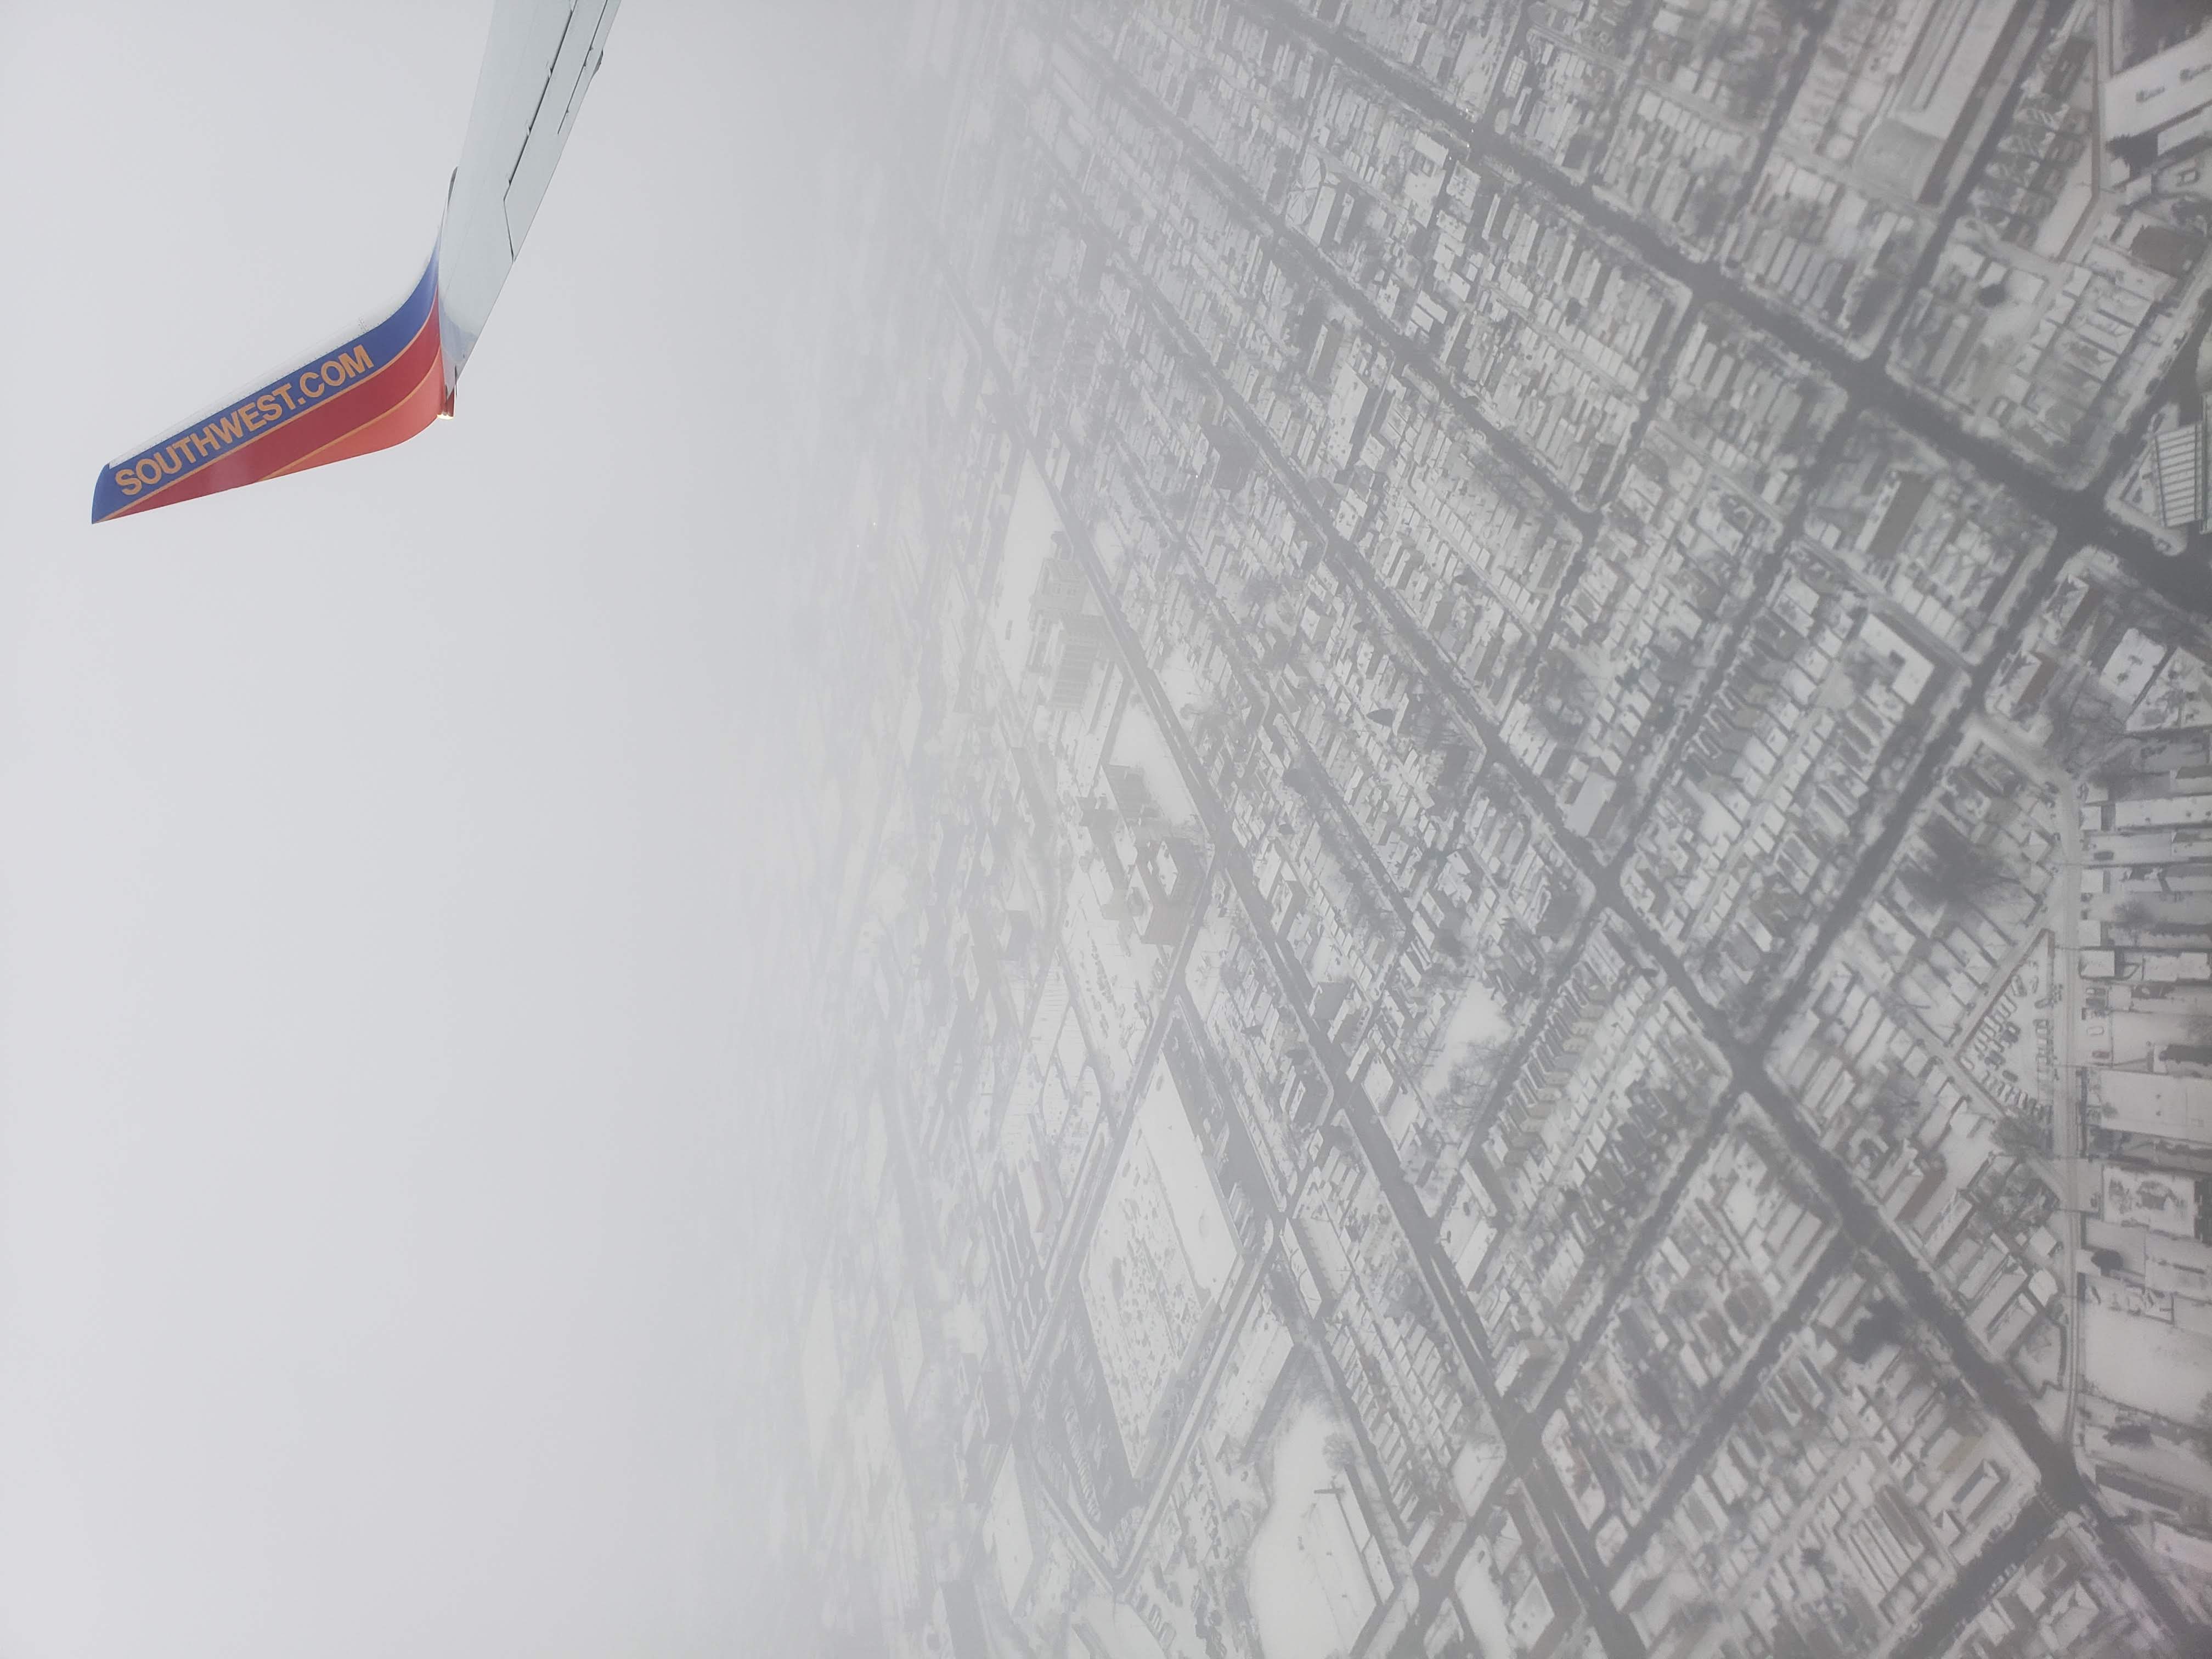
(388, 947)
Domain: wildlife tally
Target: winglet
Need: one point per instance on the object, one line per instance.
(383, 385)
(377, 389)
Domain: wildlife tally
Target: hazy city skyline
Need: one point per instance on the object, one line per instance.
(1525, 974)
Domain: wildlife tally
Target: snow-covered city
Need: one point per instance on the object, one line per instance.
(1514, 838)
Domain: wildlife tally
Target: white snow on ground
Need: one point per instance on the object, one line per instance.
(1012, 1552)
(1296, 1618)
(1202, 972)
(1115, 1630)
(1532, 1615)
(1138, 744)
(1113, 553)
(2145, 1363)
(2181, 694)
(1029, 529)
(1164, 1124)
(1716, 827)
(1482, 1606)
(1476, 1023)
(1180, 683)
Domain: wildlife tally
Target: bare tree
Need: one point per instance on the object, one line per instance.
(1560, 690)
(2134, 913)
(1898, 1105)
(2022, 1135)
(1955, 871)
(2089, 732)
(2200, 1432)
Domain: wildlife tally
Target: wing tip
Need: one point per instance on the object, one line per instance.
(310, 414)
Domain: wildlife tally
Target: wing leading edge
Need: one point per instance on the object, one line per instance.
(384, 384)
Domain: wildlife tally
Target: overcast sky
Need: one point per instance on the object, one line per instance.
(383, 991)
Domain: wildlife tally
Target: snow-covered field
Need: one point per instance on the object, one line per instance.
(1298, 1616)
(2145, 1363)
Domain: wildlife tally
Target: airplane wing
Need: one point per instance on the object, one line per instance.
(536, 68)
(386, 381)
